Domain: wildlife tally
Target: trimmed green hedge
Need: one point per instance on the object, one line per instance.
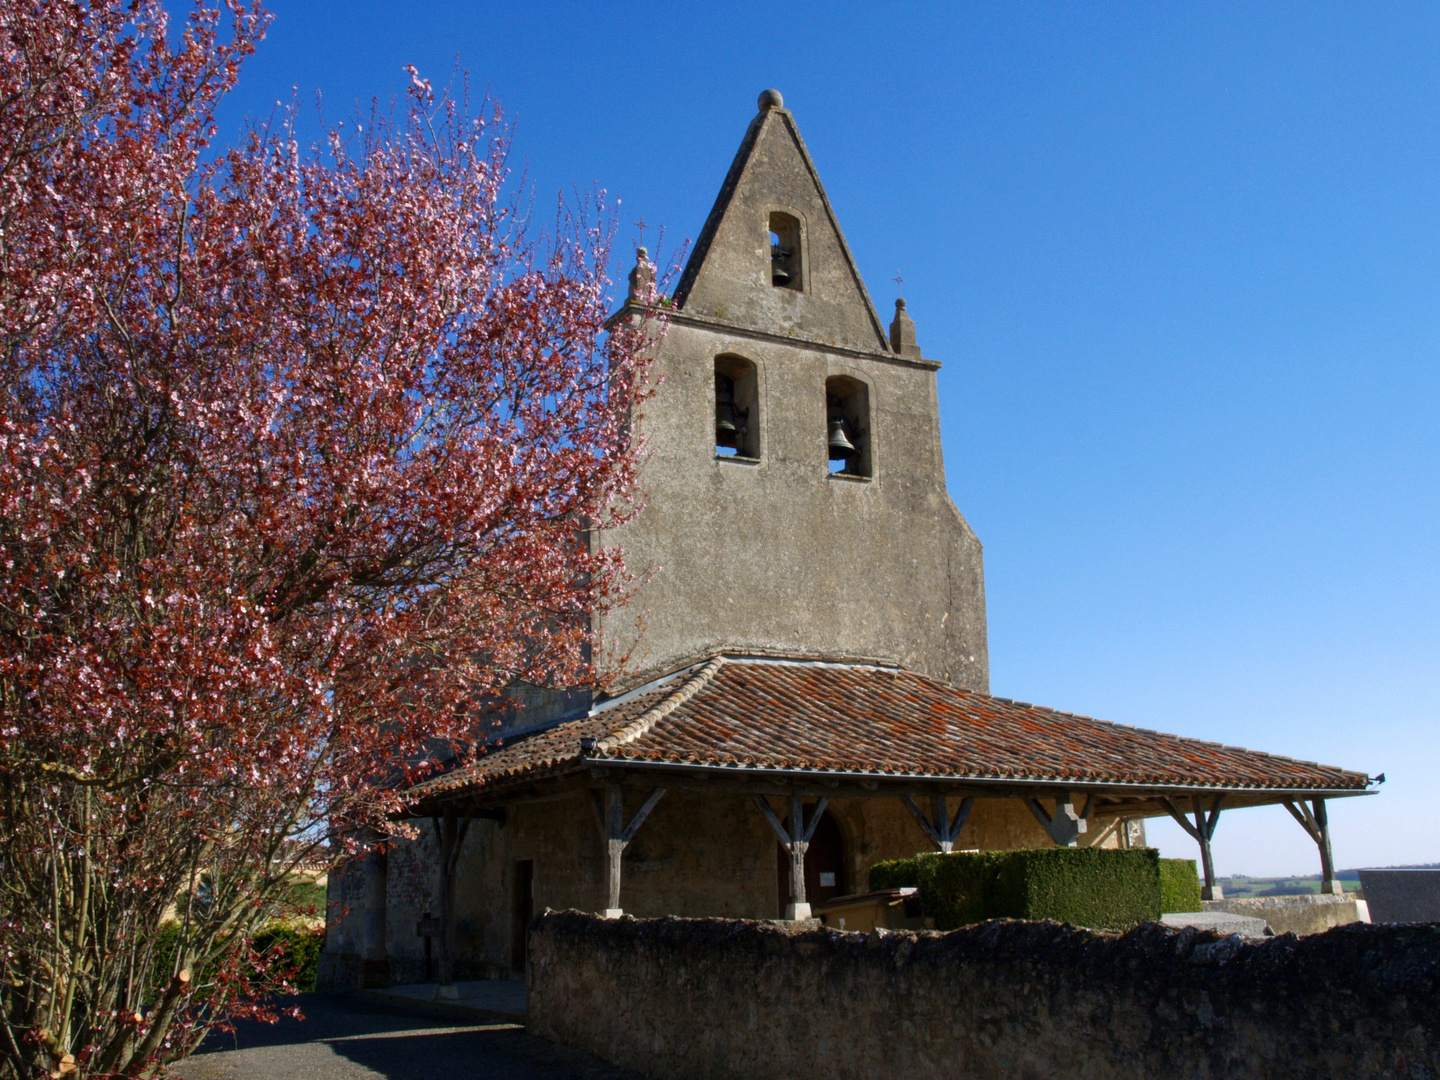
(894, 874)
(1095, 887)
(1179, 885)
(1103, 888)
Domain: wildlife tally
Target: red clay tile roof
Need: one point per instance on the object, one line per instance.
(792, 716)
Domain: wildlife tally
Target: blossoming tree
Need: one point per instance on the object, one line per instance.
(295, 450)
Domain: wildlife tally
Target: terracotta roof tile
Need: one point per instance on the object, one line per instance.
(786, 715)
(539, 752)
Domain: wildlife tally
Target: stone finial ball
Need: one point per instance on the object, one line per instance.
(900, 303)
(771, 99)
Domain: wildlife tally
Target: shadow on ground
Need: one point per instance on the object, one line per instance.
(344, 1038)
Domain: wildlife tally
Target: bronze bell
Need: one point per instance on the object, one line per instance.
(841, 448)
(779, 275)
(726, 430)
(725, 422)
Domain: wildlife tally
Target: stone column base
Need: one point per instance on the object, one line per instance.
(797, 912)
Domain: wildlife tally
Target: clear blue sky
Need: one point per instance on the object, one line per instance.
(1182, 265)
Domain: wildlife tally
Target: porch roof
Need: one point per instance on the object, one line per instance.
(763, 716)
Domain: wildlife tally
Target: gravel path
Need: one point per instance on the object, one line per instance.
(344, 1038)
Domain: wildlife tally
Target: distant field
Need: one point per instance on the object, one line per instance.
(1301, 886)
(1236, 887)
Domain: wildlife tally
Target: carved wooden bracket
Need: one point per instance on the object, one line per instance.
(1315, 820)
(1201, 832)
(1065, 825)
(943, 830)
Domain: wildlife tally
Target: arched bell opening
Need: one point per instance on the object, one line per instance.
(737, 414)
(847, 426)
(785, 254)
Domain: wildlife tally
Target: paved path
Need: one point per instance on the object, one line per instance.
(346, 1038)
(504, 996)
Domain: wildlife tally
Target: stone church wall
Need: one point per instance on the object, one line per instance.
(716, 1000)
(775, 556)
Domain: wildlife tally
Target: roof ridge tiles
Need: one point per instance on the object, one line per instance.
(642, 724)
(814, 660)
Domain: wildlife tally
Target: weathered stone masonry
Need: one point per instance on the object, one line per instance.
(711, 999)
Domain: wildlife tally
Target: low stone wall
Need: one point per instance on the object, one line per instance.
(1293, 914)
(706, 999)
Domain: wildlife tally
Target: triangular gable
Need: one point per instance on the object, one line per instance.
(728, 276)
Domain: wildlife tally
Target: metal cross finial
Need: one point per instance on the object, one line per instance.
(642, 227)
(899, 281)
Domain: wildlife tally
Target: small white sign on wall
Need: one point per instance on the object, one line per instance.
(827, 880)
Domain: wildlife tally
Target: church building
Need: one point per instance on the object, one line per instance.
(807, 686)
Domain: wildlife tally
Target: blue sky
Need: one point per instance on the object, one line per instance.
(1182, 266)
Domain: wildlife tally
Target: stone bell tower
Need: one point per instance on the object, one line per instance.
(795, 494)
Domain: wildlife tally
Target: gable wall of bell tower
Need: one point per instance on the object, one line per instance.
(769, 546)
(730, 275)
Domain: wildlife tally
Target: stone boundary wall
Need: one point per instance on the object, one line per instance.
(713, 999)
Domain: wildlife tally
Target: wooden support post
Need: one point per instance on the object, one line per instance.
(943, 830)
(1328, 884)
(616, 837)
(798, 847)
(1315, 820)
(941, 812)
(1211, 891)
(614, 847)
(796, 841)
(1202, 832)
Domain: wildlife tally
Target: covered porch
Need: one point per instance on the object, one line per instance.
(898, 762)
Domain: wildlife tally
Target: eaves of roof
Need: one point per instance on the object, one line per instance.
(800, 719)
